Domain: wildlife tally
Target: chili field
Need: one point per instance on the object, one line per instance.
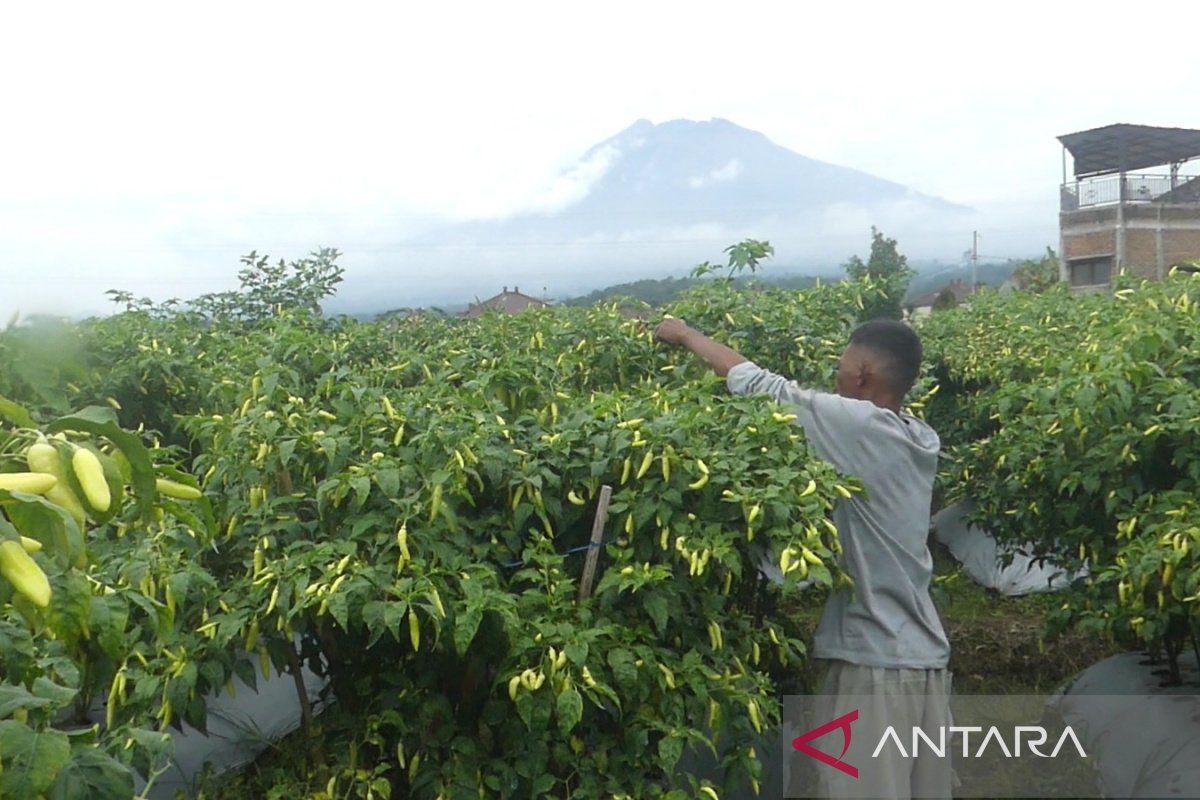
(405, 506)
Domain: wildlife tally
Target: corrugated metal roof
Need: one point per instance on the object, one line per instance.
(1125, 148)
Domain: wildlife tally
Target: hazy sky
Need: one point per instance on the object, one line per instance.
(146, 146)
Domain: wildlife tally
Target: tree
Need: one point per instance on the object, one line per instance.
(945, 299)
(885, 264)
(267, 288)
(1037, 275)
(745, 255)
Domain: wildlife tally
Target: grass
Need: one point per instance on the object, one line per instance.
(997, 643)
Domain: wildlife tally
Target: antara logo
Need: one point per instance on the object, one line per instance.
(843, 722)
(1032, 736)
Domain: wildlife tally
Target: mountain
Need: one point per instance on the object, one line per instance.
(657, 199)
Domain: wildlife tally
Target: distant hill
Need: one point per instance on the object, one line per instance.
(655, 200)
(933, 279)
(930, 277)
(659, 291)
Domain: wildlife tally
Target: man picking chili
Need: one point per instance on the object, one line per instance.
(883, 638)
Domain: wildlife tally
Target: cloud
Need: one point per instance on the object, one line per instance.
(573, 184)
(116, 175)
(723, 174)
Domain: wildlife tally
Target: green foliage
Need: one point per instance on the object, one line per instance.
(743, 257)
(268, 288)
(37, 358)
(402, 504)
(945, 299)
(494, 425)
(1072, 424)
(405, 505)
(886, 265)
(57, 661)
(264, 289)
(1037, 275)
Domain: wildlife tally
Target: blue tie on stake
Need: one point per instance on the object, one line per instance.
(591, 548)
(582, 548)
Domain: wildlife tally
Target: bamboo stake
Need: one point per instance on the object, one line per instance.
(589, 566)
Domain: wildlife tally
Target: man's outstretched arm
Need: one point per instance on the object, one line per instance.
(719, 357)
(752, 380)
(833, 424)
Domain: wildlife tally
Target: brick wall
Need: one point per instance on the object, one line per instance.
(1141, 253)
(1085, 245)
(1180, 236)
(1141, 250)
(1181, 246)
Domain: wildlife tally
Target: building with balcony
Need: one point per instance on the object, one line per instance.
(1131, 201)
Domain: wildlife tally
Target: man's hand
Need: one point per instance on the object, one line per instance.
(672, 331)
(718, 356)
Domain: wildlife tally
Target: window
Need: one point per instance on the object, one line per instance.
(1091, 271)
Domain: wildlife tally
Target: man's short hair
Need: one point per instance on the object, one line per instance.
(898, 347)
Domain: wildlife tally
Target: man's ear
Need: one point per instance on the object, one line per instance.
(864, 373)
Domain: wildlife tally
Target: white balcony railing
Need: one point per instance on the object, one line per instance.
(1131, 188)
